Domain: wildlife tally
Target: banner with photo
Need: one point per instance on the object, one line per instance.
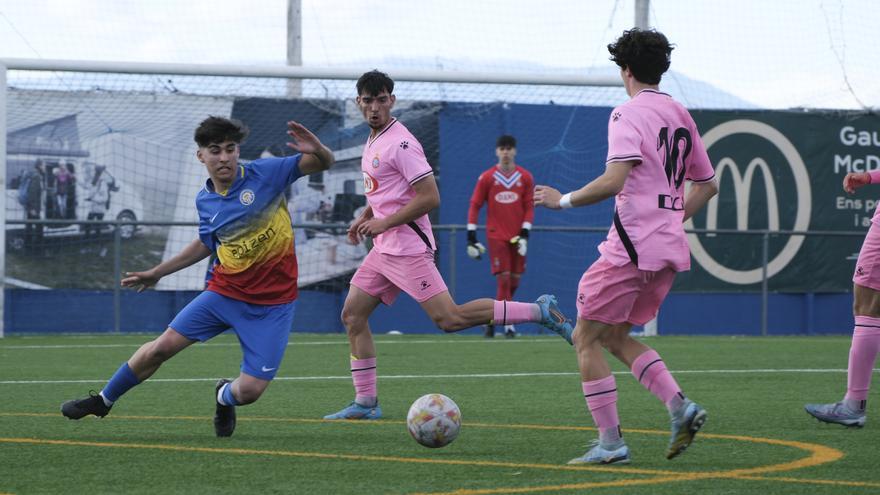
(74, 157)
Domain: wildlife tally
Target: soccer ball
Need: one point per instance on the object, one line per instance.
(434, 420)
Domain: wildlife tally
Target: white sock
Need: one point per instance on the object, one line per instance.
(220, 394)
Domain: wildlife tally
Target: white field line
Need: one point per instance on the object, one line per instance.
(293, 343)
(421, 377)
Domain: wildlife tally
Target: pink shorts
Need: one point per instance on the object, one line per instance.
(622, 294)
(384, 275)
(867, 273)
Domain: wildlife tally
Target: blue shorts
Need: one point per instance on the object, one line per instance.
(262, 330)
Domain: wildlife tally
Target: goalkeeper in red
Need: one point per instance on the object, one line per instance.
(508, 189)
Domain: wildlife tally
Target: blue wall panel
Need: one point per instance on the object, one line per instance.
(43, 311)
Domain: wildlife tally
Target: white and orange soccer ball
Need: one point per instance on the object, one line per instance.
(434, 420)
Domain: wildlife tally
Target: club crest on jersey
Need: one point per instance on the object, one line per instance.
(370, 183)
(246, 197)
(506, 197)
(376, 161)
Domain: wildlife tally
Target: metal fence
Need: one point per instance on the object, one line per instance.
(450, 238)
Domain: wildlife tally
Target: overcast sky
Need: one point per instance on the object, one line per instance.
(779, 54)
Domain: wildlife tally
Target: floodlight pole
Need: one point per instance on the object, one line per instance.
(641, 21)
(294, 45)
(642, 9)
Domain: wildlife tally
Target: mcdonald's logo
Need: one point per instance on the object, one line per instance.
(728, 171)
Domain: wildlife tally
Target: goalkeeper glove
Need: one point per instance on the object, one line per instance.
(521, 241)
(474, 249)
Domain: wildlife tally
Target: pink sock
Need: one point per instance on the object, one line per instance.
(363, 373)
(650, 371)
(862, 354)
(510, 312)
(601, 396)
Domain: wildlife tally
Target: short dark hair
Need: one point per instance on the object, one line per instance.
(506, 141)
(219, 129)
(644, 53)
(374, 82)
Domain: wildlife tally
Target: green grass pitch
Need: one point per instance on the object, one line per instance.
(523, 417)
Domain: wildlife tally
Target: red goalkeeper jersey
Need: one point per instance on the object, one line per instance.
(510, 198)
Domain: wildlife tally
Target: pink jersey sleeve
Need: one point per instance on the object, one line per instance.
(410, 161)
(624, 140)
(700, 167)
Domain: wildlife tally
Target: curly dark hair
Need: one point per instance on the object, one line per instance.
(374, 82)
(218, 129)
(645, 53)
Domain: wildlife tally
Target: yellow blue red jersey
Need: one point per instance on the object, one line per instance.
(248, 229)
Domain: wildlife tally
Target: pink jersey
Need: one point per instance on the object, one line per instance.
(658, 133)
(392, 162)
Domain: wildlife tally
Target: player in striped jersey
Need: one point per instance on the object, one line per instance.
(244, 222)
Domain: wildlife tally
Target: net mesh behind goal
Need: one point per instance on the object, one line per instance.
(119, 147)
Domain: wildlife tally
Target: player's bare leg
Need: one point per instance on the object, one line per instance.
(150, 356)
(451, 317)
(355, 316)
(245, 389)
(862, 355)
(600, 391)
(649, 369)
(142, 364)
(621, 345)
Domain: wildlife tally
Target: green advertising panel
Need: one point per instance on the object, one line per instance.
(782, 171)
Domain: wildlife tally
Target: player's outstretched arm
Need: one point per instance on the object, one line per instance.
(316, 156)
(854, 181)
(194, 252)
(698, 195)
(603, 187)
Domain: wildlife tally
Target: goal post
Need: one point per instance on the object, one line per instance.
(301, 72)
(3, 209)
